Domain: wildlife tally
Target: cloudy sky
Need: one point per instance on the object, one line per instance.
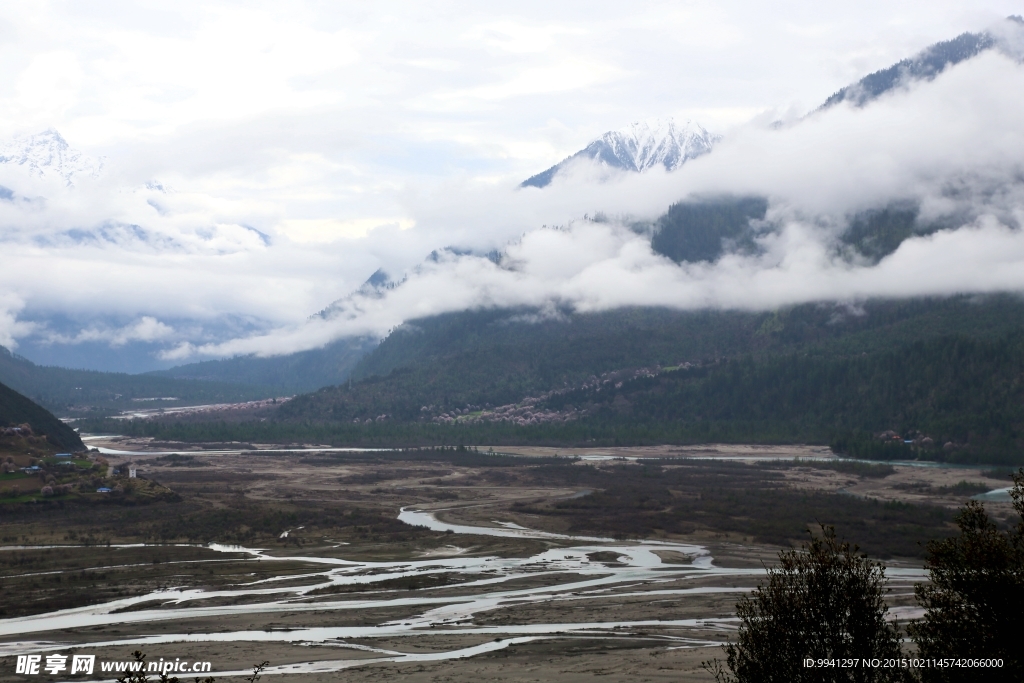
(260, 161)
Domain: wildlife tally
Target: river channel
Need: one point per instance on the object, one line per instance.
(638, 569)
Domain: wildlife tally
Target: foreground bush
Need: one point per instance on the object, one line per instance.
(975, 599)
(824, 602)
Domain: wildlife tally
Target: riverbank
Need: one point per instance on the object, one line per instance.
(432, 564)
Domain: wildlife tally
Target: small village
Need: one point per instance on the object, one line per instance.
(32, 470)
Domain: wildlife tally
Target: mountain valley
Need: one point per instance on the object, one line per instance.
(300, 379)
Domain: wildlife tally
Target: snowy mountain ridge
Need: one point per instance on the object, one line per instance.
(47, 154)
(645, 144)
(640, 146)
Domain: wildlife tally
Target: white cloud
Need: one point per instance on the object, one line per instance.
(798, 267)
(10, 327)
(321, 230)
(566, 75)
(145, 329)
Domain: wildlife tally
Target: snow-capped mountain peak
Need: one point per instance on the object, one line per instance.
(641, 146)
(47, 154)
(645, 144)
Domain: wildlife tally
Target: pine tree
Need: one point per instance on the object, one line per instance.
(823, 602)
(975, 597)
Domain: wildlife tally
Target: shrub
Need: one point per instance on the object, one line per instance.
(975, 598)
(823, 602)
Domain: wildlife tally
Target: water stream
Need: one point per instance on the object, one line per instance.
(443, 610)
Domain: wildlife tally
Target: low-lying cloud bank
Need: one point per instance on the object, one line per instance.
(954, 146)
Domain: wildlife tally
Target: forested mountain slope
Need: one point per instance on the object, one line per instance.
(952, 397)
(945, 374)
(16, 409)
(925, 65)
(493, 357)
(705, 229)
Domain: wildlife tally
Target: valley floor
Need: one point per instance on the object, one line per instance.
(433, 567)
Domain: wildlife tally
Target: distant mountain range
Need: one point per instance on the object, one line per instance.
(689, 231)
(47, 154)
(293, 373)
(638, 147)
(77, 392)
